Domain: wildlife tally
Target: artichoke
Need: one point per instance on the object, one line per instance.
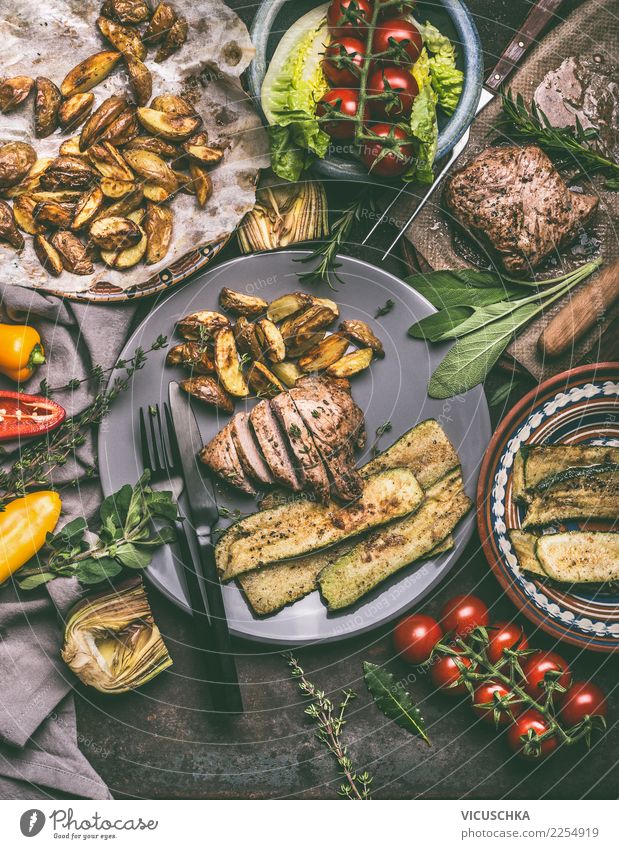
(112, 642)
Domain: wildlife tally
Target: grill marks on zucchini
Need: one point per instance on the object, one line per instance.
(591, 493)
(574, 557)
(536, 464)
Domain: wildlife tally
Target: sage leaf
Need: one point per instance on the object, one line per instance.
(433, 326)
(393, 700)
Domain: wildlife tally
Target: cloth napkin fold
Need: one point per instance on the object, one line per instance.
(39, 754)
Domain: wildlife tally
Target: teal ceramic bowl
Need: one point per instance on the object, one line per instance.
(275, 17)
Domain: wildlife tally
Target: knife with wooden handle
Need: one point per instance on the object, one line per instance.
(584, 310)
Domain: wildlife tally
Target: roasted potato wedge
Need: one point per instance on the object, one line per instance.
(70, 173)
(174, 39)
(329, 351)
(30, 182)
(270, 340)
(73, 252)
(152, 168)
(126, 11)
(287, 372)
(128, 204)
(193, 356)
(168, 125)
(64, 196)
(130, 256)
(47, 102)
(55, 214)
(125, 39)
(155, 193)
(137, 215)
(14, 91)
(122, 129)
(140, 78)
(23, 210)
(71, 147)
(173, 103)
(329, 304)
(158, 224)
(227, 364)
(195, 326)
(8, 228)
(114, 233)
(245, 337)
(240, 304)
(201, 182)
(288, 305)
(101, 119)
(47, 255)
(351, 364)
(75, 110)
(158, 146)
(87, 208)
(89, 73)
(204, 153)
(362, 334)
(16, 161)
(160, 23)
(115, 189)
(305, 330)
(109, 163)
(207, 389)
(263, 382)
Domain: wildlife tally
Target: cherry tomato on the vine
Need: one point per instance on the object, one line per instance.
(343, 61)
(485, 695)
(505, 635)
(349, 17)
(535, 668)
(462, 613)
(390, 154)
(415, 636)
(400, 41)
(335, 101)
(397, 88)
(530, 721)
(445, 672)
(584, 698)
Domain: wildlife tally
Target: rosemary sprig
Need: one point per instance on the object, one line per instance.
(330, 721)
(571, 144)
(327, 252)
(41, 457)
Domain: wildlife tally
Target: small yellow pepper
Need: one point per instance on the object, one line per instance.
(21, 351)
(24, 525)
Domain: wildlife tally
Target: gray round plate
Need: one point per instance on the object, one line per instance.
(393, 389)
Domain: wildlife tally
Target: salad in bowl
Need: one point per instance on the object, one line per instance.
(361, 79)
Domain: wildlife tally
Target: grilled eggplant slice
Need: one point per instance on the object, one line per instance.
(158, 224)
(16, 162)
(238, 303)
(351, 364)
(48, 256)
(74, 111)
(87, 208)
(8, 228)
(89, 73)
(588, 493)
(195, 326)
(47, 102)
(227, 364)
(14, 91)
(193, 356)
(534, 464)
(329, 351)
(288, 305)
(301, 527)
(270, 340)
(263, 382)
(362, 334)
(125, 39)
(73, 253)
(207, 389)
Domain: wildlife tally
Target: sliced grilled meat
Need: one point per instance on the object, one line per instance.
(252, 461)
(309, 466)
(221, 456)
(337, 425)
(273, 445)
(515, 199)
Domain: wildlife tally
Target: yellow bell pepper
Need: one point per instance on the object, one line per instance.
(24, 525)
(21, 351)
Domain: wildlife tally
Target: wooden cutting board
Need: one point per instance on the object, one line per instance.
(592, 29)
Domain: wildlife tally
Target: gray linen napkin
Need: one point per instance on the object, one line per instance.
(39, 754)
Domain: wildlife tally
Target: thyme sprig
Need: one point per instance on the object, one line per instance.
(570, 144)
(40, 458)
(508, 670)
(330, 721)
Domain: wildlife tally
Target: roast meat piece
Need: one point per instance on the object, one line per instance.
(515, 199)
(273, 445)
(221, 456)
(309, 466)
(252, 461)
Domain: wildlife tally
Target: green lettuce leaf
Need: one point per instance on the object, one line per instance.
(424, 129)
(446, 79)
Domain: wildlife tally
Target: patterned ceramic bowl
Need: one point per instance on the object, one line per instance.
(579, 406)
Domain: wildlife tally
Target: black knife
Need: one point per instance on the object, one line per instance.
(204, 516)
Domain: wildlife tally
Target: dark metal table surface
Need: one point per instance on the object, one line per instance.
(162, 742)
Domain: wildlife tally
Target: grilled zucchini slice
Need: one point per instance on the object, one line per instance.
(579, 557)
(536, 464)
(524, 546)
(586, 493)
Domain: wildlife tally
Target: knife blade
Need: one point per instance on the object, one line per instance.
(205, 515)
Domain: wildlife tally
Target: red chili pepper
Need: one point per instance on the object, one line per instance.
(24, 415)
